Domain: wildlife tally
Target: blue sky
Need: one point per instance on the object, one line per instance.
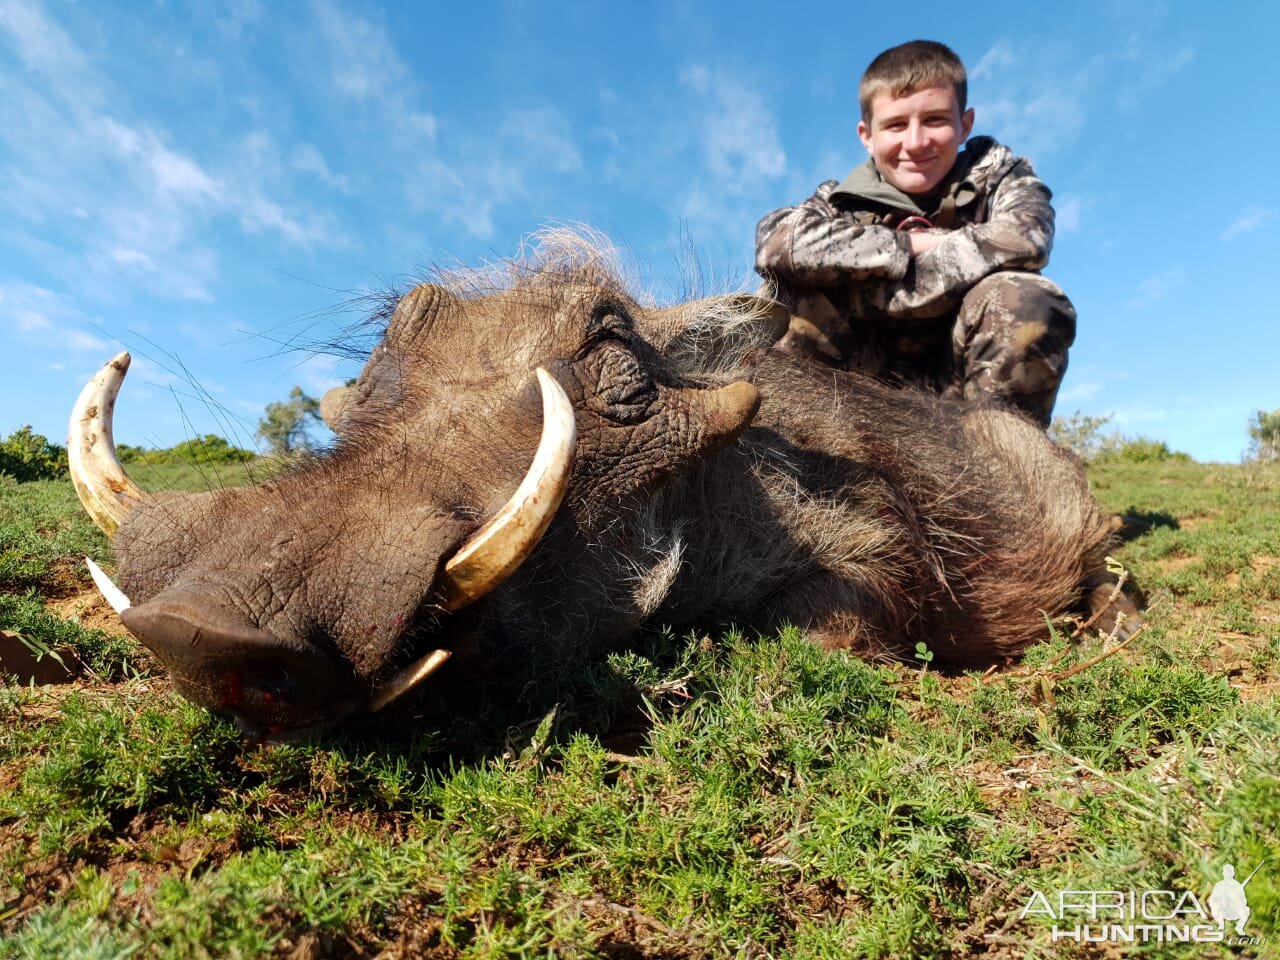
(206, 184)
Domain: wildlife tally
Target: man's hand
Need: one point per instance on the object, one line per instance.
(924, 242)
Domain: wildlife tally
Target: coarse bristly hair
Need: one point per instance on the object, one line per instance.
(908, 67)
(706, 334)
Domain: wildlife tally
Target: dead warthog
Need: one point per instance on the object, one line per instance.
(681, 473)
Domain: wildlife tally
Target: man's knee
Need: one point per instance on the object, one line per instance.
(1009, 301)
(1011, 340)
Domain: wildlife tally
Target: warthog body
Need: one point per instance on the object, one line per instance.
(712, 480)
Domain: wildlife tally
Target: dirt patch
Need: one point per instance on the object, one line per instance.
(86, 607)
(1264, 564)
(1171, 565)
(1196, 521)
(64, 579)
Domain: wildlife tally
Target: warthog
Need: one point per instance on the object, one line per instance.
(681, 473)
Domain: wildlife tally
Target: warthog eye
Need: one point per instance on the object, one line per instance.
(626, 389)
(609, 315)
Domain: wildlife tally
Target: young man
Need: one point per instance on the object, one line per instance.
(923, 265)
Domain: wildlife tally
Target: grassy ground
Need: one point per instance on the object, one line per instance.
(697, 796)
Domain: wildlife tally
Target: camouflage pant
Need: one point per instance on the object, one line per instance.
(1010, 340)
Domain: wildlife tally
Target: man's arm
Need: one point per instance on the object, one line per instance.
(812, 245)
(1017, 235)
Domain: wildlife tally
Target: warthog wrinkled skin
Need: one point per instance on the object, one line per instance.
(713, 481)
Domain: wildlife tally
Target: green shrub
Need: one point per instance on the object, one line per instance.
(207, 449)
(1080, 434)
(26, 456)
(1139, 450)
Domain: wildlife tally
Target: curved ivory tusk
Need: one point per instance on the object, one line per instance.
(496, 549)
(104, 488)
(110, 592)
(113, 594)
(407, 679)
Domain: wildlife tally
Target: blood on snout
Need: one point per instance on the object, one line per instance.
(232, 690)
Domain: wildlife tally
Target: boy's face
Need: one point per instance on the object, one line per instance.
(914, 139)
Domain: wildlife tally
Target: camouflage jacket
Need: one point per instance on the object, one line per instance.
(842, 242)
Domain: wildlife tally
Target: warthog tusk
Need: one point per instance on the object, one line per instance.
(408, 678)
(110, 592)
(496, 549)
(104, 488)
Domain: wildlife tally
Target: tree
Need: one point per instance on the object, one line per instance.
(284, 426)
(26, 455)
(1264, 435)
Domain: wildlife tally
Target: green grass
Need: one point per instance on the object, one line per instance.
(694, 796)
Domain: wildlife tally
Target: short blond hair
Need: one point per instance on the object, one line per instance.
(908, 67)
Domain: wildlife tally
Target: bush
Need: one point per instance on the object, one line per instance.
(207, 449)
(1080, 434)
(26, 456)
(1138, 450)
(1084, 437)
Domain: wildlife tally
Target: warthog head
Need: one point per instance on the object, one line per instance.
(485, 413)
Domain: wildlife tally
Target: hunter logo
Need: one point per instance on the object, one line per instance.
(1229, 901)
(1149, 916)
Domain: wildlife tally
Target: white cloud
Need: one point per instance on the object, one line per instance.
(1156, 287)
(365, 68)
(365, 64)
(1068, 209)
(739, 134)
(1142, 70)
(235, 15)
(41, 44)
(119, 205)
(317, 374)
(80, 340)
(132, 258)
(1249, 219)
(305, 158)
(1140, 413)
(38, 317)
(999, 58)
(542, 136)
(439, 188)
(1075, 392)
(1036, 96)
(1035, 124)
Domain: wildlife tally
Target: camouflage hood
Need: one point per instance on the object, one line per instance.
(977, 169)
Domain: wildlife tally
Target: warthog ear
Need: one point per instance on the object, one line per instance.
(415, 312)
(715, 334)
